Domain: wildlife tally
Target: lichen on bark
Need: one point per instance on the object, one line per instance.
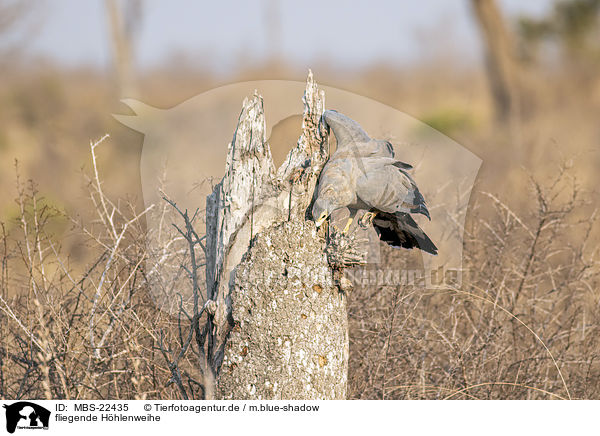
(290, 340)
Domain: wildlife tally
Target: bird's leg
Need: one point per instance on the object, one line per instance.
(347, 226)
(349, 222)
(367, 219)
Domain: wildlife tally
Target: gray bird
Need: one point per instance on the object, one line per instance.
(363, 174)
(351, 138)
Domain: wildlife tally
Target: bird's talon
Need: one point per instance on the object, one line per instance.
(367, 219)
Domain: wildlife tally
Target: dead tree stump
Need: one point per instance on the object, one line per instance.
(280, 326)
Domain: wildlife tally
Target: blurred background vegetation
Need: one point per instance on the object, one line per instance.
(517, 83)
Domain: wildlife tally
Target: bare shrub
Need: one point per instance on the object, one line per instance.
(69, 334)
(524, 325)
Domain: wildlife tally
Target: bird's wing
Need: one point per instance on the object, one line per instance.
(353, 140)
(385, 149)
(400, 230)
(403, 165)
(386, 187)
(346, 130)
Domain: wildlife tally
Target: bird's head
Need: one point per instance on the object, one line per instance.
(322, 208)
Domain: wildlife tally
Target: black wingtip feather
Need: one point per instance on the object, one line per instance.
(422, 209)
(401, 165)
(401, 231)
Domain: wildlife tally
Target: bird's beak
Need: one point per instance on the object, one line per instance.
(322, 218)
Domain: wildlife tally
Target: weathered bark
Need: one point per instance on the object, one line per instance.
(291, 335)
(280, 328)
(501, 63)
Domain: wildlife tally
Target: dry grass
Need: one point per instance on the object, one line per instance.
(524, 325)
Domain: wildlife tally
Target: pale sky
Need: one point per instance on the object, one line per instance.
(222, 34)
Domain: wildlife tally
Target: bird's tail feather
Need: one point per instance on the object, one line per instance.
(400, 230)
